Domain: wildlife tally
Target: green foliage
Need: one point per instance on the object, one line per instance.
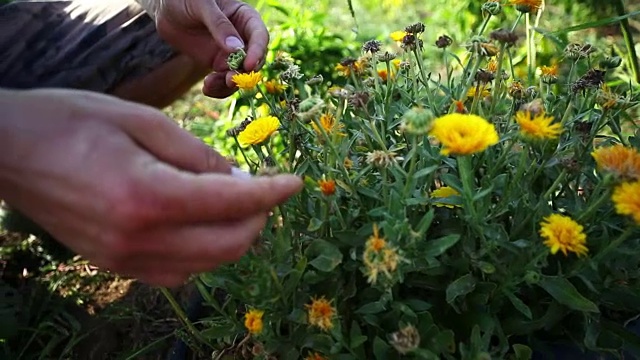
(403, 270)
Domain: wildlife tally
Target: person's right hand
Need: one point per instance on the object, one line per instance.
(125, 187)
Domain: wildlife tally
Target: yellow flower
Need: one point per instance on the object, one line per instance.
(348, 163)
(246, 81)
(618, 159)
(349, 65)
(315, 356)
(549, 70)
(253, 321)
(538, 127)
(463, 134)
(259, 130)
(444, 192)
(327, 187)
(329, 124)
(563, 233)
(274, 87)
(396, 63)
(320, 313)
(398, 35)
(482, 90)
(492, 66)
(526, 6)
(626, 198)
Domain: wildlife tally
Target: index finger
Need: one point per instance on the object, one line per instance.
(254, 31)
(214, 197)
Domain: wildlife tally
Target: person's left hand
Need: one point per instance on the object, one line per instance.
(210, 30)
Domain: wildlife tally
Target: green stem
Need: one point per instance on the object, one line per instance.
(553, 186)
(515, 24)
(483, 27)
(628, 39)
(614, 244)
(468, 187)
(472, 75)
(182, 316)
(412, 166)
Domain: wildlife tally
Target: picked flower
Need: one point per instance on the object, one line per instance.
(626, 198)
(253, 321)
(561, 233)
(247, 81)
(622, 161)
(444, 192)
(259, 130)
(538, 126)
(320, 313)
(463, 134)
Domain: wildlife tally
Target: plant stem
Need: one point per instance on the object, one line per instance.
(553, 186)
(614, 244)
(628, 39)
(182, 316)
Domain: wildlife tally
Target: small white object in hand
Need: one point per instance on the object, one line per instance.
(239, 173)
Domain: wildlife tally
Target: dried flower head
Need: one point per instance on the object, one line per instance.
(504, 36)
(516, 90)
(411, 42)
(350, 65)
(371, 46)
(415, 29)
(315, 80)
(444, 41)
(563, 233)
(359, 99)
(484, 76)
(381, 158)
(575, 51)
(592, 79)
(406, 339)
(462, 134)
(291, 73)
(388, 56)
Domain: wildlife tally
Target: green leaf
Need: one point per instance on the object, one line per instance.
(437, 247)
(519, 304)
(371, 308)
(315, 224)
(460, 287)
(566, 294)
(425, 171)
(381, 349)
(597, 23)
(522, 352)
(326, 256)
(417, 305)
(356, 339)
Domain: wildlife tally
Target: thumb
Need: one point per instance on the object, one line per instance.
(168, 142)
(222, 30)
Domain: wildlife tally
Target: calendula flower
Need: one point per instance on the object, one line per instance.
(444, 192)
(329, 125)
(482, 90)
(327, 187)
(398, 35)
(375, 242)
(259, 130)
(622, 161)
(253, 321)
(315, 356)
(246, 81)
(321, 313)
(274, 87)
(492, 65)
(526, 6)
(383, 74)
(626, 198)
(348, 163)
(563, 233)
(549, 74)
(463, 134)
(537, 127)
(350, 65)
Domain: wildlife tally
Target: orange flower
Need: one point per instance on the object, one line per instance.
(619, 160)
(327, 187)
(320, 313)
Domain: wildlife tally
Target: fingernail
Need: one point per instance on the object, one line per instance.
(239, 173)
(234, 43)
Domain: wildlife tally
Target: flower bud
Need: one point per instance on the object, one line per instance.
(610, 62)
(492, 8)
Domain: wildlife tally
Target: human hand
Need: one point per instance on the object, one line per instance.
(210, 30)
(125, 187)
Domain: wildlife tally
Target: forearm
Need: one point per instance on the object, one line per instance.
(150, 6)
